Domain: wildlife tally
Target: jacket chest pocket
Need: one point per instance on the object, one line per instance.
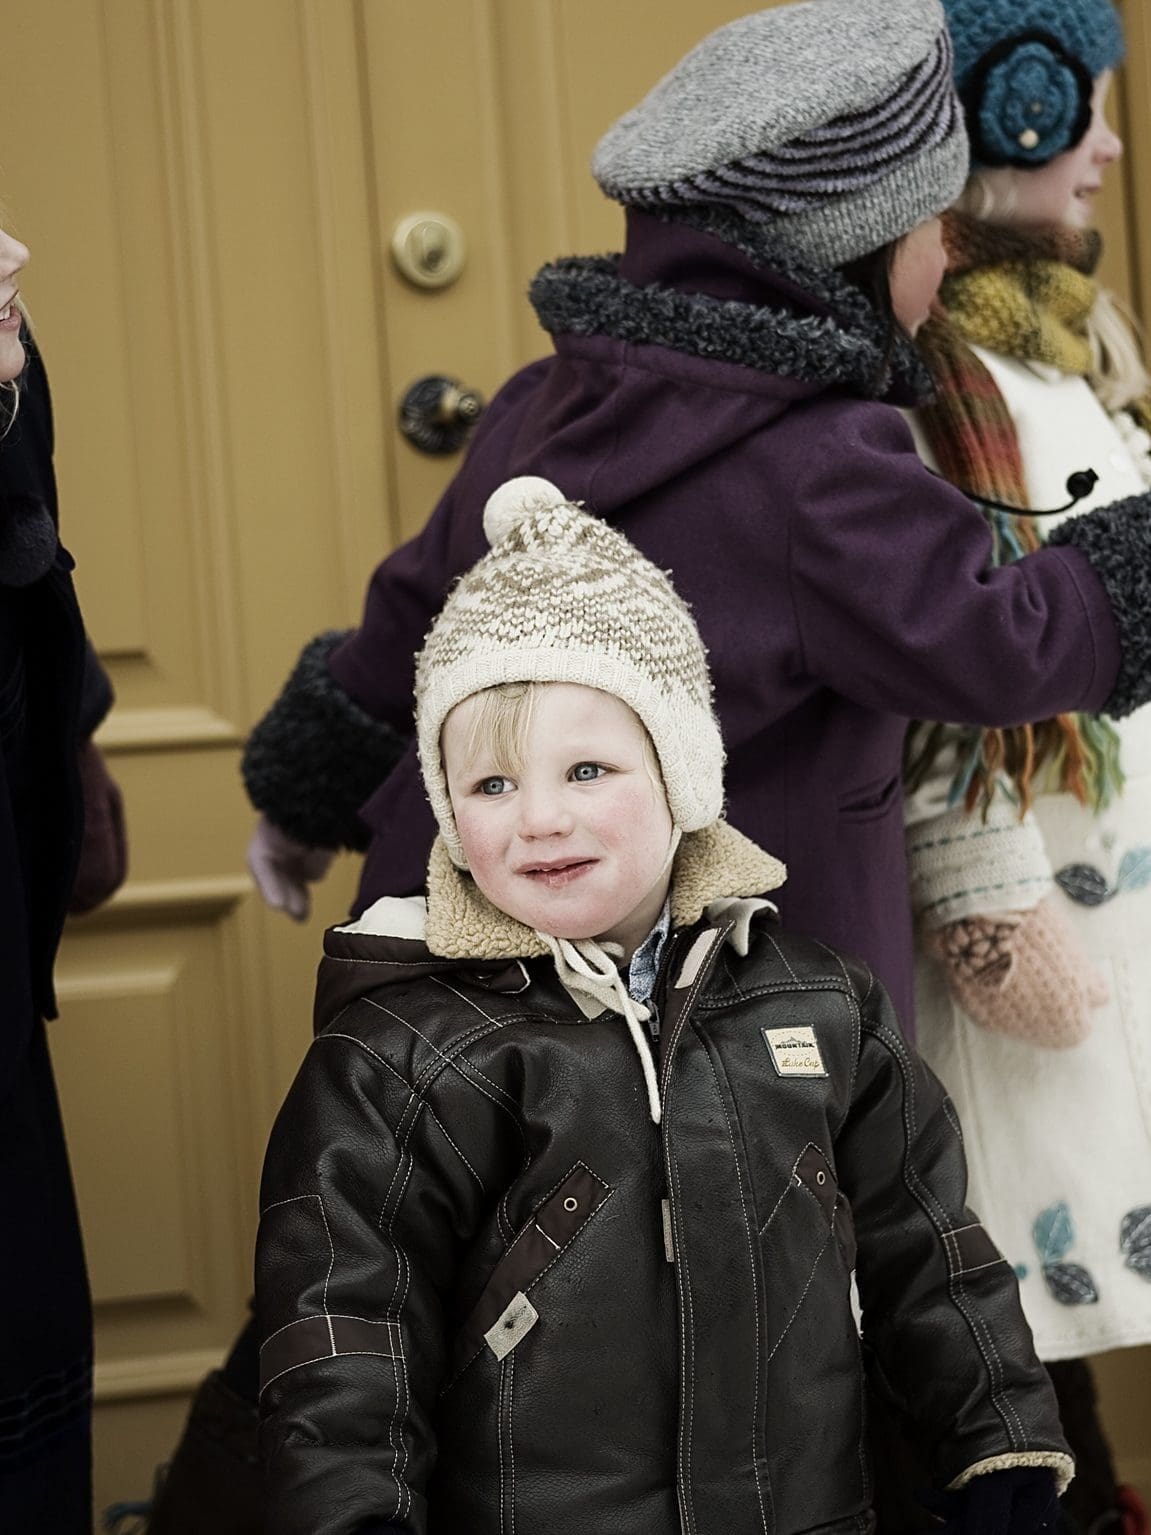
(504, 1314)
(807, 1245)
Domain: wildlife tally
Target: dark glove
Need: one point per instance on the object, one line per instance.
(1021, 1500)
(104, 848)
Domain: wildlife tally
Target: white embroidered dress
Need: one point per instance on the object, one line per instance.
(1058, 1141)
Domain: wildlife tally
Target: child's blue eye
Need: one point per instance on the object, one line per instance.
(493, 787)
(587, 772)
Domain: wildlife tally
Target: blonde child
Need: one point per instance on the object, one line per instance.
(1035, 985)
(560, 1217)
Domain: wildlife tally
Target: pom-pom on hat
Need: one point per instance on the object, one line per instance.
(1025, 71)
(564, 597)
(833, 125)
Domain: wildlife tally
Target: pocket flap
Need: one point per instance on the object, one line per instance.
(552, 1228)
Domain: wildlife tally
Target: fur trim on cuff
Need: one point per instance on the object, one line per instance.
(1117, 541)
(316, 756)
(1062, 1465)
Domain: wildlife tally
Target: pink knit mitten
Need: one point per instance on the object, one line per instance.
(1021, 973)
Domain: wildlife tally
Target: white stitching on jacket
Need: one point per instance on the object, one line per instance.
(755, 1292)
(331, 1248)
(923, 1196)
(351, 1353)
(827, 1241)
(424, 1103)
(683, 1267)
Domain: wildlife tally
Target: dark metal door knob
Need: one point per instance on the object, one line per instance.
(437, 414)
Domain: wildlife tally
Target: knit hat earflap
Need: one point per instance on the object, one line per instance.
(1026, 70)
(564, 597)
(833, 126)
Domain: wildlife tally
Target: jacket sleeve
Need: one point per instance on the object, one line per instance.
(944, 1336)
(898, 604)
(357, 1246)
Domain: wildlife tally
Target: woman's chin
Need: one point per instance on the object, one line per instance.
(12, 361)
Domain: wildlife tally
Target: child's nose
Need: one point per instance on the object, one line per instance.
(1110, 146)
(543, 813)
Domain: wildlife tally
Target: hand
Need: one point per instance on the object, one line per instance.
(1022, 974)
(1020, 1500)
(104, 845)
(283, 868)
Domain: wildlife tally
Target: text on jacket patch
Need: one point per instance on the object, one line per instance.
(794, 1052)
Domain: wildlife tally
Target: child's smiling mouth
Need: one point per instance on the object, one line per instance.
(559, 873)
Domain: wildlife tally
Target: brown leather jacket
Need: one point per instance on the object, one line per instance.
(496, 1296)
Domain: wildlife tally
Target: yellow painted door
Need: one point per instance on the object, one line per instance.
(210, 188)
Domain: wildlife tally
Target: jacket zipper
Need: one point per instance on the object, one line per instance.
(669, 1211)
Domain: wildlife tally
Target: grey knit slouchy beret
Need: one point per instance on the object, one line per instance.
(832, 124)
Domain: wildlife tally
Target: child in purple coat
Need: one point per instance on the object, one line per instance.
(723, 393)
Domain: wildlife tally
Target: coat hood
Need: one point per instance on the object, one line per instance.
(685, 346)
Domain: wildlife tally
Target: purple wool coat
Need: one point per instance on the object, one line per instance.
(718, 414)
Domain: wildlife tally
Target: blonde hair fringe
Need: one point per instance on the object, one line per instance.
(500, 725)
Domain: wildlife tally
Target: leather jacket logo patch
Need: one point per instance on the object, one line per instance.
(794, 1052)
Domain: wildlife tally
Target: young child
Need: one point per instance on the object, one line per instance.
(1035, 990)
(560, 1216)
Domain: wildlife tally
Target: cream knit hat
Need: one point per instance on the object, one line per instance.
(563, 597)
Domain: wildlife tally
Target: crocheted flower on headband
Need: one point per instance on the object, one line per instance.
(1025, 71)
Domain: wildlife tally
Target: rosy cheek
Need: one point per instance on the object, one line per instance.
(632, 799)
(477, 836)
(636, 822)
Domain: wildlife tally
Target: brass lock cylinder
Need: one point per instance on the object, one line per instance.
(429, 249)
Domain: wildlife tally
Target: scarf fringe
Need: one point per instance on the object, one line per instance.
(973, 437)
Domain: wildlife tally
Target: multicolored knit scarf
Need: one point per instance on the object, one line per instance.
(1024, 295)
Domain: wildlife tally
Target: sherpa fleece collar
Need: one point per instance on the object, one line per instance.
(840, 342)
(711, 865)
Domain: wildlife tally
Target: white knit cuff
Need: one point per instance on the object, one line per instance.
(962, 864)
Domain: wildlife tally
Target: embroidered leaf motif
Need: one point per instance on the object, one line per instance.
(1070, 1284)
(1084, 885)
(1135, 870)
(1053, 1234)
(1021, 1272)
(1135, 1240)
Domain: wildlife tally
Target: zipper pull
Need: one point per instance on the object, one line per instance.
(668, 1243)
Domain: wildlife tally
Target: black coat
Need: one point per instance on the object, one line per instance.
(495, 1295)
(51, 694)
(42, 683)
